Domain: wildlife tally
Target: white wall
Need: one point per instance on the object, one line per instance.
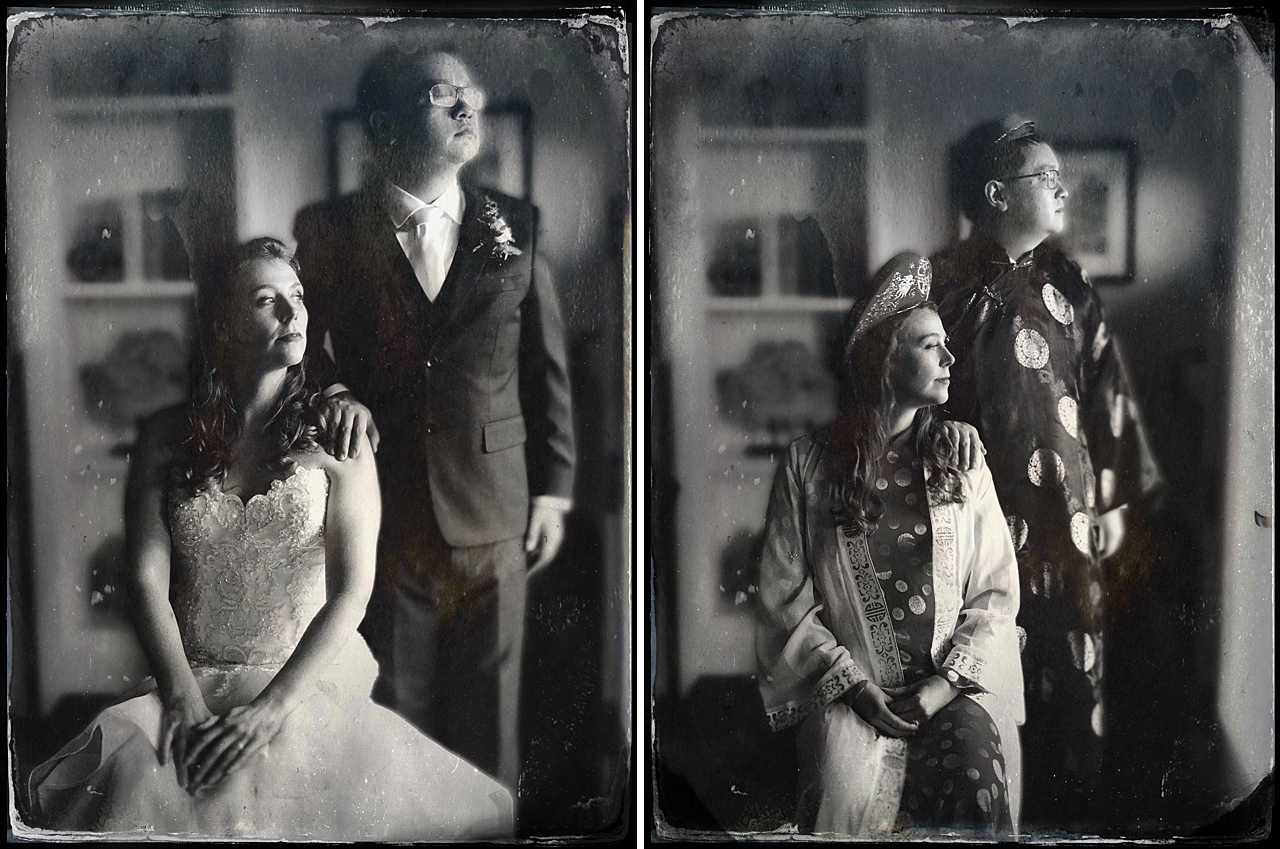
(1246, 700)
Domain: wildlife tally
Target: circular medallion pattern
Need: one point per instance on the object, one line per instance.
(1076, 641)
(916, 603)
(927, 590)
(921, 530)
(1059, 307)
(1096, 719)
(901, 585)
(894, 524)
(1095, 593)
(902, 477)
(1069, 415)
(1080, 533)
(882, 484)
(1045, 468)
(1030, 349)
(911, 498)
(1017, 531)
(906, 542)
(898, 614)
(892, 456)
(1022, 638)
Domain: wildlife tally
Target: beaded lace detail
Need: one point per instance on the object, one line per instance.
(248, 578)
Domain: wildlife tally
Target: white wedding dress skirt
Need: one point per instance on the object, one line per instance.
(248, 579)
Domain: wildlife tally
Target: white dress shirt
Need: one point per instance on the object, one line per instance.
(429, 247)
(431, 255)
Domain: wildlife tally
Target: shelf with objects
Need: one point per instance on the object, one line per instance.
(139, 143)
(770, 194)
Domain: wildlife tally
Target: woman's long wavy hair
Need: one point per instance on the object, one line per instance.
(213, 421)
(861, 431)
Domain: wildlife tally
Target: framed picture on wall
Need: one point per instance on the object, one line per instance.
(505, 160)
(1101, 180)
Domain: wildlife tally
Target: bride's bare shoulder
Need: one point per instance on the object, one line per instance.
(349, 469)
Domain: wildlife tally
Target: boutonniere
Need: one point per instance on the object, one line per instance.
(501, 244)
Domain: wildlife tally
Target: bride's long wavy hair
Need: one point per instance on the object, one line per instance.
(861, 431)
(213, 419)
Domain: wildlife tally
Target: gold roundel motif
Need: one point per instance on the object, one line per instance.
(902, 586)
(1017, 531)
(882, 484)
(921, 530)
(1069, 415)
(892, 456)
(902, 477)
(1030, 349)
(916, 603)
(1059, 307)
(1080, 533)
(898, 614)
(1045, 468)
(906, 542)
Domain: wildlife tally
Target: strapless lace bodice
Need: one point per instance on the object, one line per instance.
(248, 578)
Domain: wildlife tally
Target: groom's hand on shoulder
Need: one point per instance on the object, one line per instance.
(342, 419)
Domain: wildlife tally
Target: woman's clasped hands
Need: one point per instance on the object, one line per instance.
(207, 748)
(900, 711)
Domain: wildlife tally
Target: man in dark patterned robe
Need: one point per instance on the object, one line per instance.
(1040, 375)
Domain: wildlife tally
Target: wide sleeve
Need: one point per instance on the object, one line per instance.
(984, 644)
(1124, 466)
(800, 664)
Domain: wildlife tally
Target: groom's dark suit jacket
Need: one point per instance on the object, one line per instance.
(470, 393)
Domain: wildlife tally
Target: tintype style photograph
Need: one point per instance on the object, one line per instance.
(962, 355)
(318, 426)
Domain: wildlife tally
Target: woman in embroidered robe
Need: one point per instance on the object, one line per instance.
(250, 562)
(888, 593)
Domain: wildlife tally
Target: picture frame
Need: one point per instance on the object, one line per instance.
(1101, 181)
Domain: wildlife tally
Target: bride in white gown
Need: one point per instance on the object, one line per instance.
(250, 561)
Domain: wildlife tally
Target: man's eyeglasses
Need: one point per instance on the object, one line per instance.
(447, 96)
(1044, 179)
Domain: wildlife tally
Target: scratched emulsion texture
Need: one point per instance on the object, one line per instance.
(1190, 692)
(236, 106)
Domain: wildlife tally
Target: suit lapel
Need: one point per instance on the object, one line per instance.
(385, 257)
(471, 258)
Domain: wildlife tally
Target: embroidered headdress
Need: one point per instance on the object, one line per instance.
(901, 284)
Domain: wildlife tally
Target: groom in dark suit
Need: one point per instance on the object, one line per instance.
(443, 326)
